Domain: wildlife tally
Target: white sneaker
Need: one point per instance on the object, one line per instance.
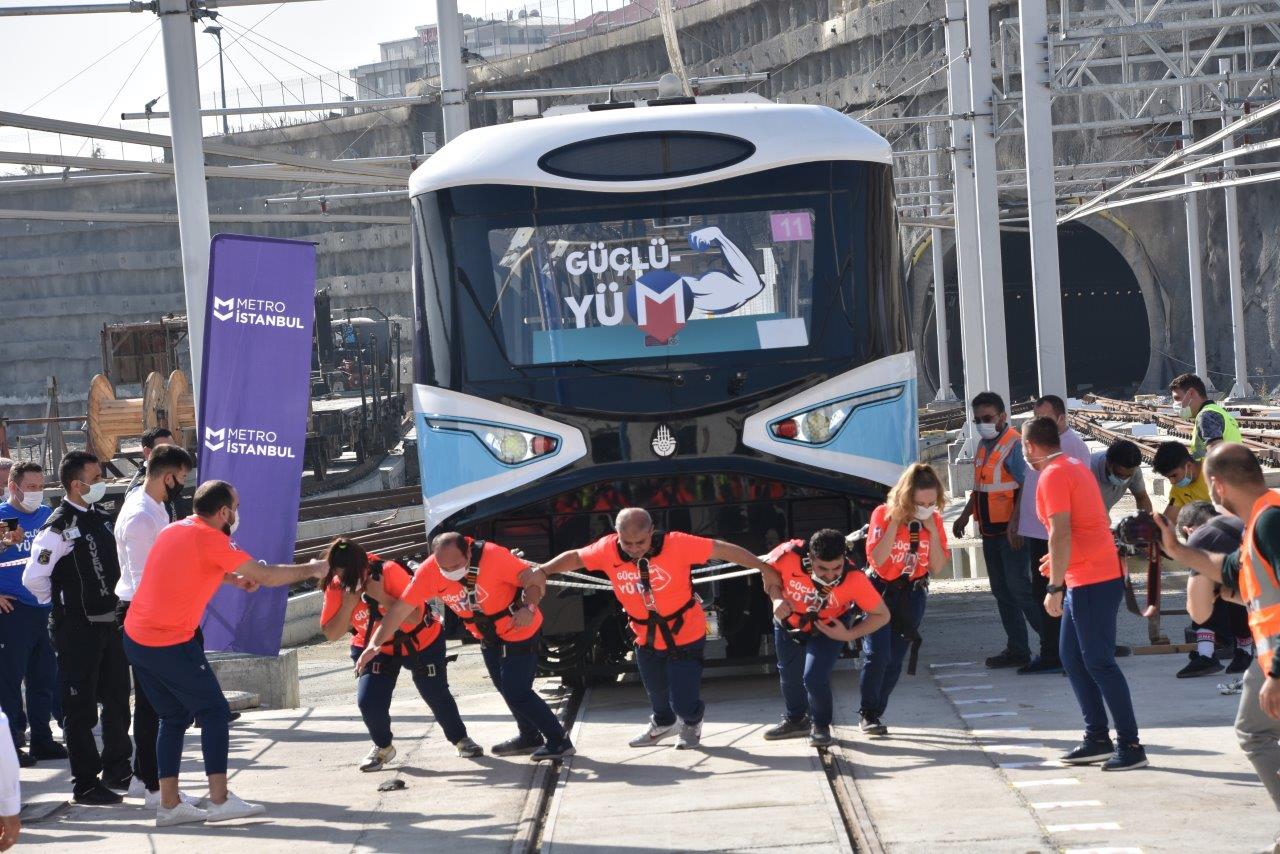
(136, 789)
(151, 800)
(690, 736)
(233, 808)
(652, 734)
(378, 758)
(183, 813)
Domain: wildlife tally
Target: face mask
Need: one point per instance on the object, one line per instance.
(231, 529)
(988, 431)
(1185, 412)
(30, 502)
(924, 511)
(454, 574)
(825, 582)
(1186, 481)
(1116, 480)
(96, 493)
(172, 492)
(1042, 460)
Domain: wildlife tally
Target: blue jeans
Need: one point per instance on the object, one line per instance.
(885, 652)
(1010, 575)
(512, 675)
(674, 685)
(26, 654)
(804, 669)
(1088, 649)
(182, 688)
(377, 684)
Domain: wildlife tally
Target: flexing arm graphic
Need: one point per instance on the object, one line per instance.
(718, 292)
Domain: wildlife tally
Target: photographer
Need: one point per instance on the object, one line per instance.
(1213, 614)
(1236, 481)
(358, 591)
(1085, 589)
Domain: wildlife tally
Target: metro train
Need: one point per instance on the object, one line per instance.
(692, 306)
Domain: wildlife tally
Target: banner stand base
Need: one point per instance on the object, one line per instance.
(273, 678)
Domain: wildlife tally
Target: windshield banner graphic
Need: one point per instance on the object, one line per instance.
(253, 416)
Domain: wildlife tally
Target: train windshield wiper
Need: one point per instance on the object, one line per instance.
(638, 374)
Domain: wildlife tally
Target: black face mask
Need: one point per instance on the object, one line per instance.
(173, 492)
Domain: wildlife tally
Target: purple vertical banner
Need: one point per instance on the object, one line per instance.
(254, 398)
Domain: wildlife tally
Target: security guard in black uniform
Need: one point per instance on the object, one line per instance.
(73, 564)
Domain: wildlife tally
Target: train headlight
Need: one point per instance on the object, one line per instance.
(816, 426)
(510, 446)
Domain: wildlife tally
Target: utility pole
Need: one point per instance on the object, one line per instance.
(1192, 202)
(177, 33)
(987, 211)
(453, 73)
(945, 395)
(1042, 203)
(216, 31)
(1241, 390)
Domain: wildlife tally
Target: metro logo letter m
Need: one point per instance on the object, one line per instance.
(228, 304)
(214, 439)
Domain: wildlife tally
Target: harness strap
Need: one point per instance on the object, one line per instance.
(402, 643)
(897, 596)
(484, 623)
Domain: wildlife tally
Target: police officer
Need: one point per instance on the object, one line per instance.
(73, 563)
(1211, 423)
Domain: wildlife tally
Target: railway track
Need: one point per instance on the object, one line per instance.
(367, 502)
(953, 419)
(1261, 435)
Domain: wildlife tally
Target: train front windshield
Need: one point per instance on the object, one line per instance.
(554, 294)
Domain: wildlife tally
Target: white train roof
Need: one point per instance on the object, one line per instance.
(783, 135)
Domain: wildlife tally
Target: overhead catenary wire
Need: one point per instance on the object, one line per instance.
(128, 77)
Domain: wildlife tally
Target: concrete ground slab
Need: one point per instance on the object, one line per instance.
(737, 792)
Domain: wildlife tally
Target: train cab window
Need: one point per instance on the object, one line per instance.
(643, 156)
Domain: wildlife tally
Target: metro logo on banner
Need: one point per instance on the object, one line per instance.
(253, 416)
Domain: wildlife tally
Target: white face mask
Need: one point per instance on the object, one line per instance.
(235, 523)
(1185, 412)
(454, 574)
(96, 493)
(924, 511)
(30, 502)
(988, 431)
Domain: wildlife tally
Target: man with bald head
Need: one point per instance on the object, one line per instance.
(1249, 574)
(652, 575)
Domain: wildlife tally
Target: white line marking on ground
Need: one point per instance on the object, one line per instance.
(1103, 851)
(980, 700)
(1005, 748)
(951, 688)
(952, 664)
(1039, 763)
(973, 715)
(1073, 828)
(1056, 781)
(959, 676)
(1065, 805)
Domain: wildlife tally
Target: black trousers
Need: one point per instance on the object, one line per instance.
(92, 669)
(146, 726)
(1037, 549)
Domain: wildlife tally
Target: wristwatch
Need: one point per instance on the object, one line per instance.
(1056, 588)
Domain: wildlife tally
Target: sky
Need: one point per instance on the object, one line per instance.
(39, 54)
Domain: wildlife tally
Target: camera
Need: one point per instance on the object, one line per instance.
(1136, 533)
(856, 547)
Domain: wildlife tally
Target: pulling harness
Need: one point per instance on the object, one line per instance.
(668, 625)
(804, 630)
(897, 596)
(486, 624)
(403, 644)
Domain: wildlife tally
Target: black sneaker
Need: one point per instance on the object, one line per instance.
(820, 736)
(788, 729)
(98, 795)
(1008, 659)
(120, 785)
(872, 726)
(1200, 665)
(1041, 665)
(1089, 752)
(516, 746)
(48, 750)
(546, 753)
(1126, 758)
(1240, 662)
(25, 760)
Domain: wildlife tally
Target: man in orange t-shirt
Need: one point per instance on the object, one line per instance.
(496, 595)
(187, 563)
(652, 576)
(1085, 589)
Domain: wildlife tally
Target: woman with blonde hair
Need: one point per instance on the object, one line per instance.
(905, 543)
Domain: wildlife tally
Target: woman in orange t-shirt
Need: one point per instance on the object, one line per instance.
(905, 542)
(358, 590)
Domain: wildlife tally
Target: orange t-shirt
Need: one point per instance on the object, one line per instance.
(670, 575)
(1068, 486)
(395, 578)
(183, 571)
(900, 557)
(800, 592)
(497, 584)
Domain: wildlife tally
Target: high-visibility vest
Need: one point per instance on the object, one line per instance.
(1260, 588)
(1230, 432)
(996, 489)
